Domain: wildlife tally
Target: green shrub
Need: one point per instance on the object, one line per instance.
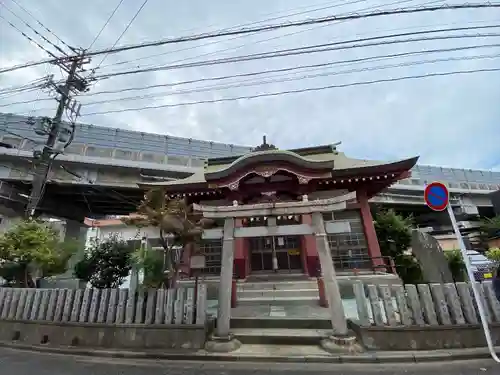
(457, 265)
(493, 254)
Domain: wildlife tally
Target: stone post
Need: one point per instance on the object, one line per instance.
(223, 341)
(339, 340)
(134, 272)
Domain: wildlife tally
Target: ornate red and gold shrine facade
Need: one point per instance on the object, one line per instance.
(268, 174)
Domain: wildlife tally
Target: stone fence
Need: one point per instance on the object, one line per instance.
(114, 318)
(424, 316)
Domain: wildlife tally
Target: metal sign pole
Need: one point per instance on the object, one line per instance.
(474, 284)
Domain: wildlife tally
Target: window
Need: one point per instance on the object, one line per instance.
(349, 249)
(212, 249)
(327, 216)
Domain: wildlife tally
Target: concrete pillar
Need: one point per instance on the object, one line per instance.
(76, 231)
(223, 341)
(226, 279)
(339, 341)
(370, 233)
(134, 272)
(337, 316)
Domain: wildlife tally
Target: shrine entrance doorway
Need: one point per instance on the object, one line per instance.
(286, 249)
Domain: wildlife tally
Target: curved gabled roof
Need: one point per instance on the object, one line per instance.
(349, 167)
(336, 163)
(326, 162)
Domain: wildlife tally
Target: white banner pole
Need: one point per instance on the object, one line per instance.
(475, 285)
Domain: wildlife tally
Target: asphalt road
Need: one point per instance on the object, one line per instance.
(14, 362)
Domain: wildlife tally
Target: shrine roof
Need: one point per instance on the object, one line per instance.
(337, 162)
(323, 152)
(319, 161)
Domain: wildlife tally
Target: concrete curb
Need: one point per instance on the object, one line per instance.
(370, 357)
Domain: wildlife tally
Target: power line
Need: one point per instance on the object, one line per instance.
(105, 24)
(211, 53)
(269, 39)
(31, 84)
(60, 50)
(31, 40)
(284, 70)
(124, 31)
(27, 102)
(239, 36)
(43, 26)
(35, 63)
(324, 74)
(317, 48)
(18, 92)
(260, 72)
(288, 92)
(274, 37)
(265, 28)
(274, 27)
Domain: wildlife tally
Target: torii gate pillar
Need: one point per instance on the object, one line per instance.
(222, 340)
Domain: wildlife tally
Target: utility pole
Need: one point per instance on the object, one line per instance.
(54, 129)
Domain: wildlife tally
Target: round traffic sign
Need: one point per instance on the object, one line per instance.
(436, 196)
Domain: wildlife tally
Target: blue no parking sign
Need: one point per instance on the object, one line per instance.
(436, 196)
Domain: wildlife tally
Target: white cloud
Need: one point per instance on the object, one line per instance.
(450, 121)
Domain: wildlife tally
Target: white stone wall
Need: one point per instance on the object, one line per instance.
(126, 233)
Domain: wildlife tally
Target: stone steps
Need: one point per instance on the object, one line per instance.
(279, 301)
(280, 336)
(283, 285)
(277, 293)
(297, 292)
(280, 323)
(278, 277)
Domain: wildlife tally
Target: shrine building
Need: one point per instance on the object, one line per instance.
(268, 174)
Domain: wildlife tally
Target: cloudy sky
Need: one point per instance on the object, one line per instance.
(450, 120)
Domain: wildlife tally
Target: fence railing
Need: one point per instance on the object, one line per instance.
(364, 263)
(110, 306)
(423, 304)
